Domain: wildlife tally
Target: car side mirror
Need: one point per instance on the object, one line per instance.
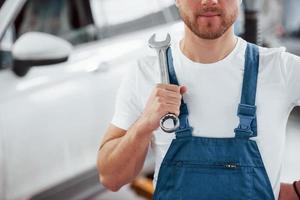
(34, 49)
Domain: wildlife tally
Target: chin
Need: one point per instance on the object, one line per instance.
(209, 34)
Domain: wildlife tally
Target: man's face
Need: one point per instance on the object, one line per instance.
(208, 19)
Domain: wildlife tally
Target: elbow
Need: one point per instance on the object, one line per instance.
(109, 183)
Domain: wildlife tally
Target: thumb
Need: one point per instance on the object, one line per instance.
(183, 89)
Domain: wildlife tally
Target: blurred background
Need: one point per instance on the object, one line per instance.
(61, 63)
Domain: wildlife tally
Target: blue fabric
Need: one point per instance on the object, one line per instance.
(247, 108)
(185, 129)
(216, 168)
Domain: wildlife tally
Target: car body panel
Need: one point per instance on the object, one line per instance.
(53, 118)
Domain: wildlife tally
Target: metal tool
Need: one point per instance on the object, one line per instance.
(161, 49)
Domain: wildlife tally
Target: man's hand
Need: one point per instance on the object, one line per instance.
(287, 192)
(165, 98)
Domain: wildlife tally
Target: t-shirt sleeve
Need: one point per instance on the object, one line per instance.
(292, 71)
(127, 106)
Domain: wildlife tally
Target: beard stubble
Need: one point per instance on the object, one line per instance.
(206, 31)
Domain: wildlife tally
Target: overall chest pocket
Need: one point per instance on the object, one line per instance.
(218, 181)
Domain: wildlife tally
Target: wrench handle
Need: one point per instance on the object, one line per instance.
(161, 49)
(167, 117)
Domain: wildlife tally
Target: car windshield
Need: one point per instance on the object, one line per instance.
(70, 20)
(54, 20)
(116, 14)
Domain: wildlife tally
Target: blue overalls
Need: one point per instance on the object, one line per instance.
(201, 168)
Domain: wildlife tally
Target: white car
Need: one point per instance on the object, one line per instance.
(57, 92)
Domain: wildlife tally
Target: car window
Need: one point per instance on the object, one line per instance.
(114, 17)
(118, 11)
(69, 19)
(6, 43)
(54, 20)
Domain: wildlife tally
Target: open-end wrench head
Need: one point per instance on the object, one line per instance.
(159, 44)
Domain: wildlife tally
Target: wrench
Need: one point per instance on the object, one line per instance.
(161, 49)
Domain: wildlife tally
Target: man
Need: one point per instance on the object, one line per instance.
(215, 154)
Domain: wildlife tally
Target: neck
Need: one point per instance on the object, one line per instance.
(207, 51)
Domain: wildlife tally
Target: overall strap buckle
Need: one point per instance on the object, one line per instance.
(247, 125)
(184, 130)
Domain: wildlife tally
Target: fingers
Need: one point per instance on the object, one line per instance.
(170, 87)
(183, 89)
(168, 93)
(167, 101)
(172, 95)
(164, 107)
(172, 109)
(169, 97)
(165, 98)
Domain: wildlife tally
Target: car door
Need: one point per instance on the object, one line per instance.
(53, 118)
(46, 121)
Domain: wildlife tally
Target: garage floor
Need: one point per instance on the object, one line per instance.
(125, 193)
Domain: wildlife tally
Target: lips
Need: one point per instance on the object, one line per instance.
(209, 14)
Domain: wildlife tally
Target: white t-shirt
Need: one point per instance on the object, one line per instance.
(214, 92)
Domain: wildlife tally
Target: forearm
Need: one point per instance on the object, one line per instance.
(296, 185)
(121, 159)
(287, 191)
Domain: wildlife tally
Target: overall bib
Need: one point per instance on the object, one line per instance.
(201, 168)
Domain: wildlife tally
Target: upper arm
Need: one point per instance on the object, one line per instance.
(113, 132)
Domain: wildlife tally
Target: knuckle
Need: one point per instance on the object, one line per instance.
(160, 99)
(173, 87)
(157, 91)
(177, 89)
(158, 85)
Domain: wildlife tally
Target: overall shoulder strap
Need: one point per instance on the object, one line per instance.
(184, 129)
(247, 127)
